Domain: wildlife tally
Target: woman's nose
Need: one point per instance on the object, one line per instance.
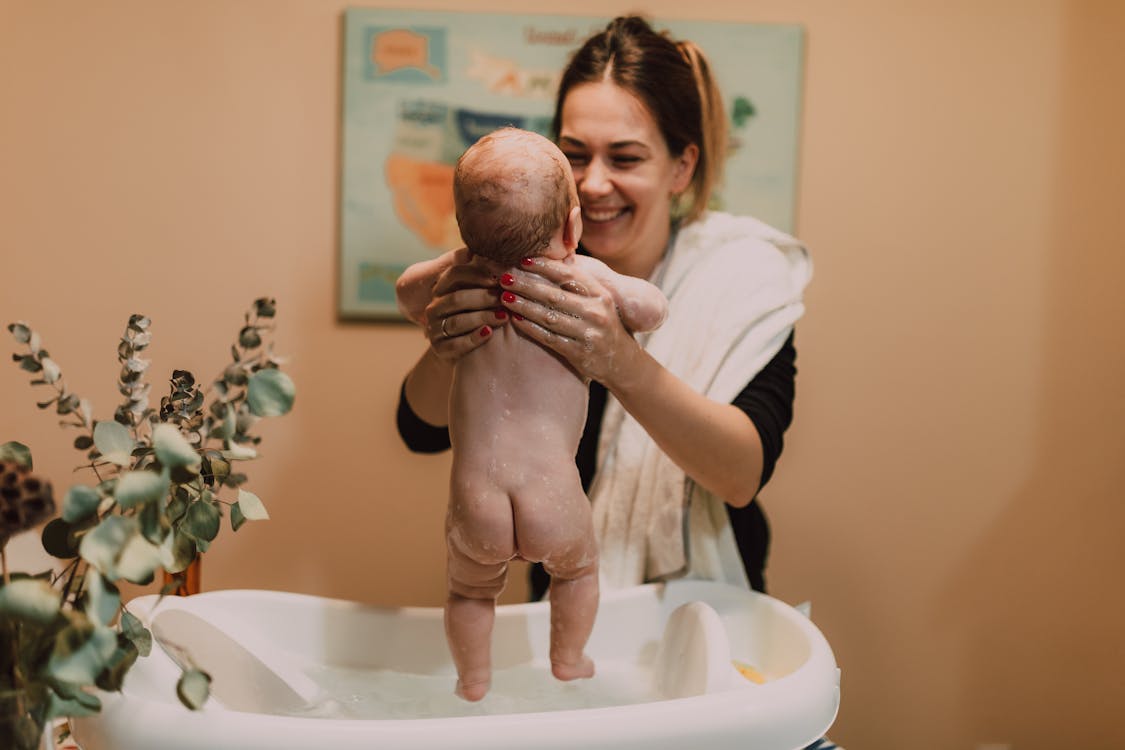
(595, 182)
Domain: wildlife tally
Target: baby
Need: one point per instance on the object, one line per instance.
(517, 411)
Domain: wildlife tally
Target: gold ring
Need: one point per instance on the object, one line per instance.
(444, 333)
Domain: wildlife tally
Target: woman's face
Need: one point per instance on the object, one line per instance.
(625, 175)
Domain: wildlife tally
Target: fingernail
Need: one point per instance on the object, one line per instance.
(501, 314)
(517, 316)
(508, 297)
(485, 331)
(526, 262)
(507, 280)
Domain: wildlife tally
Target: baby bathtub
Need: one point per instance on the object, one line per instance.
(323, 673)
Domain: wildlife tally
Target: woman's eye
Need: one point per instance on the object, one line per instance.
(625, 160)
(574, 159)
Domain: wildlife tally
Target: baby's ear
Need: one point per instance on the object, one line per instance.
(572, 229)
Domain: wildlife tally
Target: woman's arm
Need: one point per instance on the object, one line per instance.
(714, 443)
(463, 312)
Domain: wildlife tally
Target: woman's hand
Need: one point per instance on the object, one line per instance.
(465, 308)
(573, 314)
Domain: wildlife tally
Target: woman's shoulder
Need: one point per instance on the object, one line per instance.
(734, 243)
(716, 229)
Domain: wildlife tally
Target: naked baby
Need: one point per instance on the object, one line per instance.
(516, 412)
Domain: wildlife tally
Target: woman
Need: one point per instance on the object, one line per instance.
(685, 425)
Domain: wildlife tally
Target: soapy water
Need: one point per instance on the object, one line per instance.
(350, 693)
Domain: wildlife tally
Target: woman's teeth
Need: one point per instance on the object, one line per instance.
(604, 214)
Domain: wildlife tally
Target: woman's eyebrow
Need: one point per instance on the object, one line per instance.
(566, 140)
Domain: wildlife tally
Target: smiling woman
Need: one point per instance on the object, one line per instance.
(685, 424)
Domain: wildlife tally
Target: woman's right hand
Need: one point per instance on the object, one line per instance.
(465, 308)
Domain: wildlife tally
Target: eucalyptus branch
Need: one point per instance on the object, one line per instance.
(155, 503)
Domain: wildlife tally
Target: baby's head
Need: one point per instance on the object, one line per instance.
(515, 198)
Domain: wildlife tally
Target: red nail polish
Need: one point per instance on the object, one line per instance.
(507, 280)
(526, 262)
(508, 297)
(517, 316)
(501, 314)
(485, 331)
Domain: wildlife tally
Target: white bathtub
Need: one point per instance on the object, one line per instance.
(374, 677)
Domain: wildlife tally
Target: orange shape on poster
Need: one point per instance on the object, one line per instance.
(402, 48)
(423, 198)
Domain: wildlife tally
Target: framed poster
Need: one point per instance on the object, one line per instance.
(421, 86)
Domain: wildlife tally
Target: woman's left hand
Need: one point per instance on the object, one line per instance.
(573, 314)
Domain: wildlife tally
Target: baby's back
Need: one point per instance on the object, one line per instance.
(514, 401)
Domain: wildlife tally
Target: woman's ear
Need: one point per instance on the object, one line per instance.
(684, 169)
(572, 229)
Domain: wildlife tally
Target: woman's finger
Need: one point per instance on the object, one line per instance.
(560, 322)
(453, 336)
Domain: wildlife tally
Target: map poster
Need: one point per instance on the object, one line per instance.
(422, 86)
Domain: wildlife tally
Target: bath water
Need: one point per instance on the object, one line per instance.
(385, 694)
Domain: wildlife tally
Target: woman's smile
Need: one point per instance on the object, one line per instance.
(624, 173)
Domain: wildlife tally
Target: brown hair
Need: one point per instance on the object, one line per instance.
(510, 208)
(674, 82)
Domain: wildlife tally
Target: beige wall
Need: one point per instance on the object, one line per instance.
(950, 495)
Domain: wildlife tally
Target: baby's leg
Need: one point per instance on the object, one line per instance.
(480, 542)
(560, 533)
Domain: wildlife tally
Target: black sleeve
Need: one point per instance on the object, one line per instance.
(420, 436)
(768, 401)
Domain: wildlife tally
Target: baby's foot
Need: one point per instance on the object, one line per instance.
(584, 667)
(473, 691)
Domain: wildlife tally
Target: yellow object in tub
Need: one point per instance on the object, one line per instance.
(749, 672)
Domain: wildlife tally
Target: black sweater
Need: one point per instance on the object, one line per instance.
(768, 402)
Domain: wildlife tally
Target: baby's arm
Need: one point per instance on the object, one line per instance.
(414, 288)
(641, 305)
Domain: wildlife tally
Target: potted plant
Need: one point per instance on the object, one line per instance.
(162, 477)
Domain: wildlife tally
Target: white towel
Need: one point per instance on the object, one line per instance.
(734, 289)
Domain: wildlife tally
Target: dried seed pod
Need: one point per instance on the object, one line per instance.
(26, 500)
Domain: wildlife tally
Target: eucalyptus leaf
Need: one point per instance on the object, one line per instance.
(139, 560)
(103, 545)
(177, 552)
(80, 502)
(29, 599)
(59, 539)
(248, 338)
(112, 676)
(193, 688)
(270, 393)
(154, 523)
(238, 452)
(135, 631)
(81, 652)
(104, 602)
(76, 704)
(137, 487)
(265, 307)
(172, 448)
(114, 442)
(202, 520)
(21, 332)
(251, 506)
(18, 452)
(51, 372)
(236, 517)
